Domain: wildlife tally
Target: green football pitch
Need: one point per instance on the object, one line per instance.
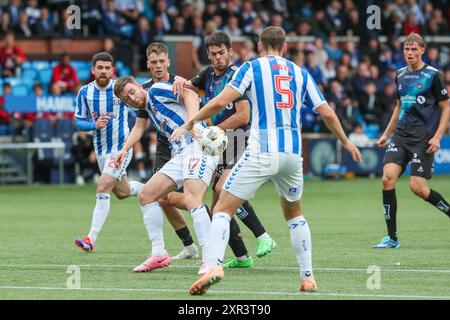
(38, 257)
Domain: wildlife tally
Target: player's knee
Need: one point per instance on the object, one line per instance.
(419, 190)
(164, 202)
(145, 198)
(388, 181)
(103, 189)
(122, 194)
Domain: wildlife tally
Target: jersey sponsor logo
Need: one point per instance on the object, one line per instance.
(420, 99)
(426, 75)
(387, 211)
(391, 148)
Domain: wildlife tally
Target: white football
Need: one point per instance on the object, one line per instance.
(213, 140)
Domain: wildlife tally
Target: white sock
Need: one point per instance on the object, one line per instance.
(135, 187)
(202, 223)
(153, 221)
(218, 237)
(301, 242)
(99, 215)
(263, 236)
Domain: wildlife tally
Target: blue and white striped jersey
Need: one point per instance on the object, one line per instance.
(166, 112)
(277, 89)
(91, 98)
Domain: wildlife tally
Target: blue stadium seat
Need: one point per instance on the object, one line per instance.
(43, 132)
(20, 90)
(79, 64)
(27, 65)
(13, 81)
(119, 64)
(41, 64)
(64, 130)
(45, 76)
(83, 73)
(124, 71)
(141, 79)
(29, 74)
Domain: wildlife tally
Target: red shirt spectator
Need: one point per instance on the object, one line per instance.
(11, 56)
(64, 78)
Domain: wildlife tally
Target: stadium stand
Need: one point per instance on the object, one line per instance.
(324, 38)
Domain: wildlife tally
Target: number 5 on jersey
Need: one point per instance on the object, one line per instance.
(279, 80)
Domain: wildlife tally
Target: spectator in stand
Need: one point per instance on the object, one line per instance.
(85, 160)
(211, 10)
(32, 11)
(311, 66)
(303, 29)
(142, 36)
(329, 71)
(375, 78)
(361, 78)
(248, 14)
(349, 114)
(64, 78)
(112, 20)
(372, 50)
(5, 23)
(351, 22)
(62, 30)
(162, 11)
(332, 48)
(158, 29)
(343, 76)
(179, 26)
(131, 10)
(23, 29)
(370, 105)
(232, 28)
(410, 25)
(359, 138)
(432, 57)
(199, 50)
(13, 10)
(11, 57)
(44, 25)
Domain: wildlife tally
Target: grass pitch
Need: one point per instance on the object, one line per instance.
(38, 225)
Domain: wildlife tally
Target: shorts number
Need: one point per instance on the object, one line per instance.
(290, 95)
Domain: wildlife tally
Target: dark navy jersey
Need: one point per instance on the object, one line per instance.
(141, 113)
(213, 85)
(419, 93)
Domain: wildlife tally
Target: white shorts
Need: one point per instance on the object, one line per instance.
(252, 170)
(106, 164)
(190, 163)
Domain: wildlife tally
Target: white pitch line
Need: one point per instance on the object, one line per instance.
(197, 266)
(321, 294)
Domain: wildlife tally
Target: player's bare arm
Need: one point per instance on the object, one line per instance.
(331, 120)
(239, 118)
(435, 141)
(181, 83)
(381, 142)
(135, 135)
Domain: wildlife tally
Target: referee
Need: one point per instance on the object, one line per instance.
(418, 122)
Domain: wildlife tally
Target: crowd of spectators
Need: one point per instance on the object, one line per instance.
(357, 78)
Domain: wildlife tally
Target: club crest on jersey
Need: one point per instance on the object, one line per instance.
(164, 125)
(420, 99)
(116, 101)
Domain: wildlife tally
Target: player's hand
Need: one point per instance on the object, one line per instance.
(180, 131)
(196, 130)
(381, 142)
(102, 121)
(354, 151)
(178, 84)
(119, 158)
(434, 145)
